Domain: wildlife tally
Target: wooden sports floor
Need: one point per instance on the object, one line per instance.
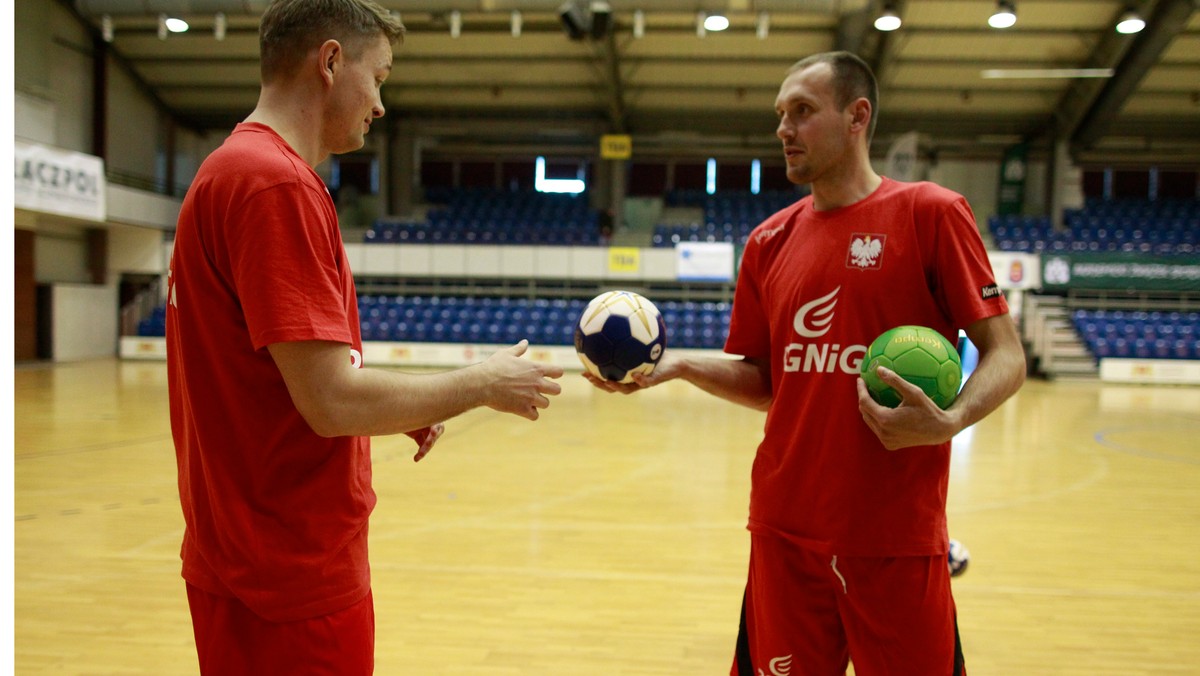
(609, 537)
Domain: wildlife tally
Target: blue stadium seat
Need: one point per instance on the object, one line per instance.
(507, 320)
(155, 324)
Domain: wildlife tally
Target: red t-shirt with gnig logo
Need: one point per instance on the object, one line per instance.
(275, 514)
(814, 289)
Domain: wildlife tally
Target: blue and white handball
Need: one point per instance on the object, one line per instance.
(958, 558)
(620, 334)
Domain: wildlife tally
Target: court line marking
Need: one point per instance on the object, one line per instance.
(738, 578)
(376, 458)
(94, 508)
(1081, 592)
(526, 507)
(90, 448)
(1101, 438)
(173, 536)
(568, 526)
(1099, 471)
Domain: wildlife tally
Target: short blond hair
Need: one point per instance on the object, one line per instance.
(290, 28)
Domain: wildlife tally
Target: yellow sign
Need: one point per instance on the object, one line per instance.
(616, 146)
(624, 259)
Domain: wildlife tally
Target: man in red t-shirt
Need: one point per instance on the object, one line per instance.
(848, 498)
(271, 406)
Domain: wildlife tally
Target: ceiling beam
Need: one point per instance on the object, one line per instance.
(613, 82)
(852, 30)
(1080, 96)
(127, 68)
(884, 53)
(856, 33)
(1168, 19)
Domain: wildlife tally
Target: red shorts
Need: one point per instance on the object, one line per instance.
(807, 614)
(232, 640)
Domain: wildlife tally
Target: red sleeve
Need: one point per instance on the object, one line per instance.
(749, 331)
(285, 266)
(964, 284)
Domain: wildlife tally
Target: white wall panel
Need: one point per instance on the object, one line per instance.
(517, 261)
(449, 260)
(85, 321)
(416, 260)
(551, 262)
(483, 261)
(140, 207)
(135, 250)
(378, 260)
(60, 257)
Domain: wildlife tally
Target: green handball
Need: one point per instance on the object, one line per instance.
(921, 356)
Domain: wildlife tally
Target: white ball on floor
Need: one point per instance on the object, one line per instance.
(958, 558)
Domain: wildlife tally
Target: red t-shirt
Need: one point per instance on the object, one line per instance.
(814, 289)
(275, 514)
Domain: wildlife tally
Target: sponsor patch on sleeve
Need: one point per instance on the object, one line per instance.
(990, 291)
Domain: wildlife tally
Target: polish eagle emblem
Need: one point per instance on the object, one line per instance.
(865, 251)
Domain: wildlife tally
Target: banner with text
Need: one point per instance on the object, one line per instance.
(616, 146)
(59, 182)
(624, 259)
(704, 261)
(1120, 271)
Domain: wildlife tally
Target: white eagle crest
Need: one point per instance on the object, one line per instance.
(864, 251)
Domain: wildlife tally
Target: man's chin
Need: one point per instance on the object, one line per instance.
(351, 145)
(798, 175)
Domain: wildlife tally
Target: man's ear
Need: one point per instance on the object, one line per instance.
(860, 114)
(330, 58)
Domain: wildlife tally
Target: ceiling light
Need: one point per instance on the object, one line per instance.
(762, 25)
(177, 25)
(455, 23)
(1130, 22)
(1045, 73)
(516, 23)
(639, 23)
(219, 26)
(1005, 16)
(716, 22)
(888, 20)
(106, 28)
(601, 19)
(576, 20)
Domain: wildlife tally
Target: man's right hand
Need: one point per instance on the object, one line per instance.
(519, 386)
(668, 368)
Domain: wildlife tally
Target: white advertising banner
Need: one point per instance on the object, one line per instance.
(59, 182)
(1159, 371)
(704, 261)
(1016, 270)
